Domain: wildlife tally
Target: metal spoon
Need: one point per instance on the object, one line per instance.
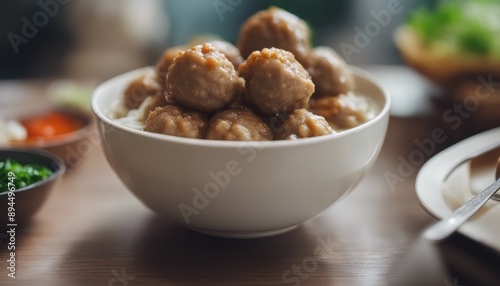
(450, 224)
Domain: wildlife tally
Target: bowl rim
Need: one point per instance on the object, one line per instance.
(55, 159)
(62, 139)
(99, 91)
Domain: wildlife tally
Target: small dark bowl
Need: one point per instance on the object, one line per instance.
(29, 199)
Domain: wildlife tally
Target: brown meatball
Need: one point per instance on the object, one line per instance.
(230, 51)
(303, 124)
(329, 72)
(165, 62)
(139, 89)
(275, 82)
(172, 120)
(344, 111)
(202, 78)
(276, 28)
(238, 125)
(151, 103)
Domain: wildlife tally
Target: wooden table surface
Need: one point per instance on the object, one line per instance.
(92, 231)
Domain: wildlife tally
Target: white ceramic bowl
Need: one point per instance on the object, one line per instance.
(239, 189)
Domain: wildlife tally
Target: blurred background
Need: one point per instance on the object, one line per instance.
(98, 39)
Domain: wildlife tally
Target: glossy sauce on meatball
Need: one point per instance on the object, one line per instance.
(276, 28)
(238, 125)
(203, 79)
(172, 120)
(275, 82)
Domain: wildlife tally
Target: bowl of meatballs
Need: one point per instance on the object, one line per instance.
(246, 140)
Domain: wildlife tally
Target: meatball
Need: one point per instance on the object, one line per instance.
(151, 103)
(165, 62)
(202, 78)
(172, 120)
(275, 82)
(139, 89)
(303, 124)
(329, 72)
(238, 125)
(276, 28)
(343, 111)
(230, 51)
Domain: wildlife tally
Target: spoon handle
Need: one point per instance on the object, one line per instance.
(450, 224)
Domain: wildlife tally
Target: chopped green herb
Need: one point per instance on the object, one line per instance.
(24, 175)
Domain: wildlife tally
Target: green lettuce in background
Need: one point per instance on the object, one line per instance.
(470, 26)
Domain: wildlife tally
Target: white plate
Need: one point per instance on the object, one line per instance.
(440, 197)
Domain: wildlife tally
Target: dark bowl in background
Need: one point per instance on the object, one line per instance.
(28, 200)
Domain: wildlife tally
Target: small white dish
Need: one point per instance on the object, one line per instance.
(440, 197)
